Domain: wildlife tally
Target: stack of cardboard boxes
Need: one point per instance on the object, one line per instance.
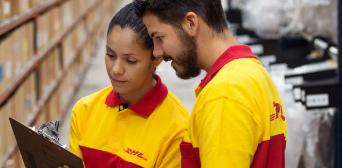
(11, 8)
(18, 49)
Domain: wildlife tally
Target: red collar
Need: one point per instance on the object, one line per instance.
(232, 53)
(147, 104)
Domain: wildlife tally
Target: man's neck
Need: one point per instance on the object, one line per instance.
(211, 47)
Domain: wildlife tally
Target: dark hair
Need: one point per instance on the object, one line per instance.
(173, 11)
(127, 17)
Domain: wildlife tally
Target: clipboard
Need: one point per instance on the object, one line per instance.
(39, 152)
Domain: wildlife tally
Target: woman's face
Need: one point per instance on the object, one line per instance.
(129, 65)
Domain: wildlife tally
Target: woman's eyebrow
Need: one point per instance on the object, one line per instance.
(129, 54)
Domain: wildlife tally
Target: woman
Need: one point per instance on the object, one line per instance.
(136, 122)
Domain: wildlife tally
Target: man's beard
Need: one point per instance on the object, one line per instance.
(187, 60)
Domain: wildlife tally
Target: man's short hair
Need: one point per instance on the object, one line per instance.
(173, 11)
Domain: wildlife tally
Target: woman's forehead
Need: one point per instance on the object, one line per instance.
(122, 38)
(125, 41)
(122, 35)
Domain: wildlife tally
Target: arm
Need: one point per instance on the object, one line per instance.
(171, 154)
(74, 134)
(227, 134)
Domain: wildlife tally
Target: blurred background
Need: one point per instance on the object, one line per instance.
(52, 54)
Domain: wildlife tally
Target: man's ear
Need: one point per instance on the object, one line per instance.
(190, 23)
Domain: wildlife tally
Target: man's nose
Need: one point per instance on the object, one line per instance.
(158, 51)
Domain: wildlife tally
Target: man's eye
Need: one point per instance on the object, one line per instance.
(110, 55)
(159, 38)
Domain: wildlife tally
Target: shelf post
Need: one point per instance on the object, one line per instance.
(338, 115)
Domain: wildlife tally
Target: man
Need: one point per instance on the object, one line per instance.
(238, 119)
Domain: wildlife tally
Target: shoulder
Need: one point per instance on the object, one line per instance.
(93, 99)
(241, 71)
(237, 81)
(178, 106)
(240, 74)
(172, 110)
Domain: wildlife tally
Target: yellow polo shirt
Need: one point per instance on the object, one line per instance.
(146, 134)
(238, 118)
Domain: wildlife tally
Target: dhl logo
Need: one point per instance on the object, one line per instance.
(135, 153)
(279, 113)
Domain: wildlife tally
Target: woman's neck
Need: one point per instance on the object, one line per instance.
(135, 96)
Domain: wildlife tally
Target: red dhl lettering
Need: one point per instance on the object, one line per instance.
(279, 113)
(135, 153)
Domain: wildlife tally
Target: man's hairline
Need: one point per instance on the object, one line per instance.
(177, 27)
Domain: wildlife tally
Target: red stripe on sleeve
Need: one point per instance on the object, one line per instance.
(271, 153)
(190, 156)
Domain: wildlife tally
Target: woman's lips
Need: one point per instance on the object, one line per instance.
(119, 81)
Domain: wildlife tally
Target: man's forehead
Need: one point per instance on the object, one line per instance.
(150, 18)
(152, 23)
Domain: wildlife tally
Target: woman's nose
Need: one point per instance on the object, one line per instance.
(118, 68)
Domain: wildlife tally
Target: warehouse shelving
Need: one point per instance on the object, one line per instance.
(338, 115)
(69, 63)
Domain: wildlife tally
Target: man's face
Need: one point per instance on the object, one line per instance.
(173, 44)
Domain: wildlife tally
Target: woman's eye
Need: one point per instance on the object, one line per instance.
(131, 61)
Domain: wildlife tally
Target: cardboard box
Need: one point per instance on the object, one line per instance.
(30, 94)
(6, 62)
(10, 8)
(12, 162)
(18, 46)
(6, 9)
(30, 41)
(25, 99)
(68, 48)
(42, 118)
(24, 6)
(2, 69)
(55, 23)
(43, 31)
(66, 91)
(21, 162)
(27, 42)
(17, 50)
(48, 72)
(15, 7)
(1, 12)
(63, 98)
(42, 78)
(8, 137)
(54, 111)
(18, 110)
(35, 3)
(15, 161)
(3, 120)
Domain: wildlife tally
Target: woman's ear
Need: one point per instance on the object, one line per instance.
(190, 23)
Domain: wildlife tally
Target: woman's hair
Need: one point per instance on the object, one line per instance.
(127, 18)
